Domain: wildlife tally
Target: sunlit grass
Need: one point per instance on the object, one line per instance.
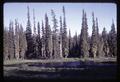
(6, 62)
(9, 62)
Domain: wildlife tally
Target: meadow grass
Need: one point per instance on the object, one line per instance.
(10, 62)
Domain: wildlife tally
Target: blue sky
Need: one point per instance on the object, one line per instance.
(105, 12)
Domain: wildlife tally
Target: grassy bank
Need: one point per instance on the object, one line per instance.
(10, 62)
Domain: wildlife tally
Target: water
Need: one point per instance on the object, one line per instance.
(76, 64)
(88, 70)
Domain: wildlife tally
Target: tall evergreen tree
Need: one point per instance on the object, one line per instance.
(98, 39)
(35, 45)
(105, 40)
(113, 40)
(48, 38)
(50, 43)
(70, 42)
(60, 36)
(64, 36)
(56, 47)
(11, 41)
(29, 39)
(16, 40)
(84, 47)
(100, 52)
(75, 46)
(93, 39)
(43, 41)
(97, 29)
(22, 43)
(39, 43)
(6, 44)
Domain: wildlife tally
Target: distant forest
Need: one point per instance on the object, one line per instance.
(56, 43)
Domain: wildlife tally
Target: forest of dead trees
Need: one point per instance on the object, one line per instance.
(56, 43)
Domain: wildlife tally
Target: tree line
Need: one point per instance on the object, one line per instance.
(47, 43)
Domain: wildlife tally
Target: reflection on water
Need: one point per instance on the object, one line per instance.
(88, 70)
(76, 64)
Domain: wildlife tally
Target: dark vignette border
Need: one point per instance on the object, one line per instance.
(117, 2)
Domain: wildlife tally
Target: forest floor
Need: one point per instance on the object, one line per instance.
(90, 68)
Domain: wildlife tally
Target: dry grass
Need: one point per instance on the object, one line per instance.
(11, 62)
